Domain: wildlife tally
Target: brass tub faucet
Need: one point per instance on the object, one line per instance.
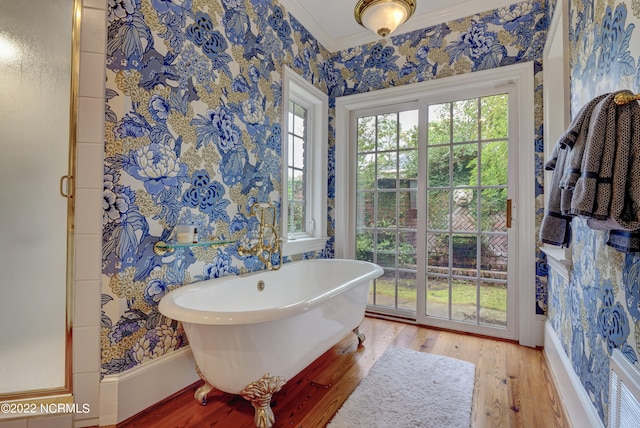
(268, 239)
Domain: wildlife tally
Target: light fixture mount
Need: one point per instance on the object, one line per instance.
(383, 16)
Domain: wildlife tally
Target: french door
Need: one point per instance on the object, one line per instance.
(433, 195)
(387, 211)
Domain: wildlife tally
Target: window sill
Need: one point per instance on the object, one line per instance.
(302, 245)
(558, 259)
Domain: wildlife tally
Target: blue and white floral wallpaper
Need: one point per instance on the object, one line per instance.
(598, 310)
(193, 113)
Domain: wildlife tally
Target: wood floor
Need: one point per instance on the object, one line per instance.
(513, 384)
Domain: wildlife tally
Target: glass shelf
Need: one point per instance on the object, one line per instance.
(161, 248)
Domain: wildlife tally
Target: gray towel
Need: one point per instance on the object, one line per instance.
(627, 242)
(596, 174)
(615, 189)
(569, 137)
(624, 212)
(604, 189)
(555, 228)
(575, 138)
(600, 142)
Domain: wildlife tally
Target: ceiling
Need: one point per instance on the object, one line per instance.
(332, 23)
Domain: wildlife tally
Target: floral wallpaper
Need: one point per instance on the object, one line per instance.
(193, 112)
(597, 311)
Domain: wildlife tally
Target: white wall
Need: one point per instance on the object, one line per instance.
(88, 234)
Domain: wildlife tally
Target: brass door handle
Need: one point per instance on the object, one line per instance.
(508, 213)
(65, 179)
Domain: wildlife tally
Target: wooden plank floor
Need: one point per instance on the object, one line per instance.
(513, 384)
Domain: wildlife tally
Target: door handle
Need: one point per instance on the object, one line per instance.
(509, 203)
(66, 179)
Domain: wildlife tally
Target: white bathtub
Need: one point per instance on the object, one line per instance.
(250, 342)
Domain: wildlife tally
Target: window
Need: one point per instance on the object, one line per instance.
(297, 170)
(304, 165)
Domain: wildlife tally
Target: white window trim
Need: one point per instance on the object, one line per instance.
(529, 327)
(557, 114)
(296, 88)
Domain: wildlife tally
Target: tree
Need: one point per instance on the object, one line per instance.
(494, 155)
(467, 141)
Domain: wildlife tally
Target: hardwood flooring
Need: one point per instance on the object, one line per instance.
(513, 384)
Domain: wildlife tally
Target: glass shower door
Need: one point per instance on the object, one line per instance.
(36, 67)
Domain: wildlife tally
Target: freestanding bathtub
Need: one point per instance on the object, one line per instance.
(252, 333)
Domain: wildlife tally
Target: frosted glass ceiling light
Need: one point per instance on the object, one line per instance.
(383, 16)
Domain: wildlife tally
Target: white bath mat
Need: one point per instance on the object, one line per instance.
(410, 389)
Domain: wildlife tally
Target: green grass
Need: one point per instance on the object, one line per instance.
(388, 289)
(491, 297)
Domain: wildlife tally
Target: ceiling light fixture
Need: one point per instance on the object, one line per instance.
(383, 16)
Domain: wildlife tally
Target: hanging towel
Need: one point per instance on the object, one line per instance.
(615, 191)
(604, 188)
(624, 213)
(575, 139)
(627, 242)
(569, 137)
(600, 142)
(596, 166)
(555, 228)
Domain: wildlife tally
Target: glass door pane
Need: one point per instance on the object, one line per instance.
(387, 212)
(466, 238)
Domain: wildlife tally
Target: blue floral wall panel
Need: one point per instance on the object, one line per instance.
(192, 136)
(596, 311)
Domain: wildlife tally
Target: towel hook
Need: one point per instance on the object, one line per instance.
(625, 98)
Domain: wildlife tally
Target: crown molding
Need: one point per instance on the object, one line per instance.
(418, 21)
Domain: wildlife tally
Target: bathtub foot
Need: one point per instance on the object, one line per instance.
(201, 393)
(259, 394)
(361, 336)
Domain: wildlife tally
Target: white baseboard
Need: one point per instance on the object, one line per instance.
(129, 393)
(577, 404)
